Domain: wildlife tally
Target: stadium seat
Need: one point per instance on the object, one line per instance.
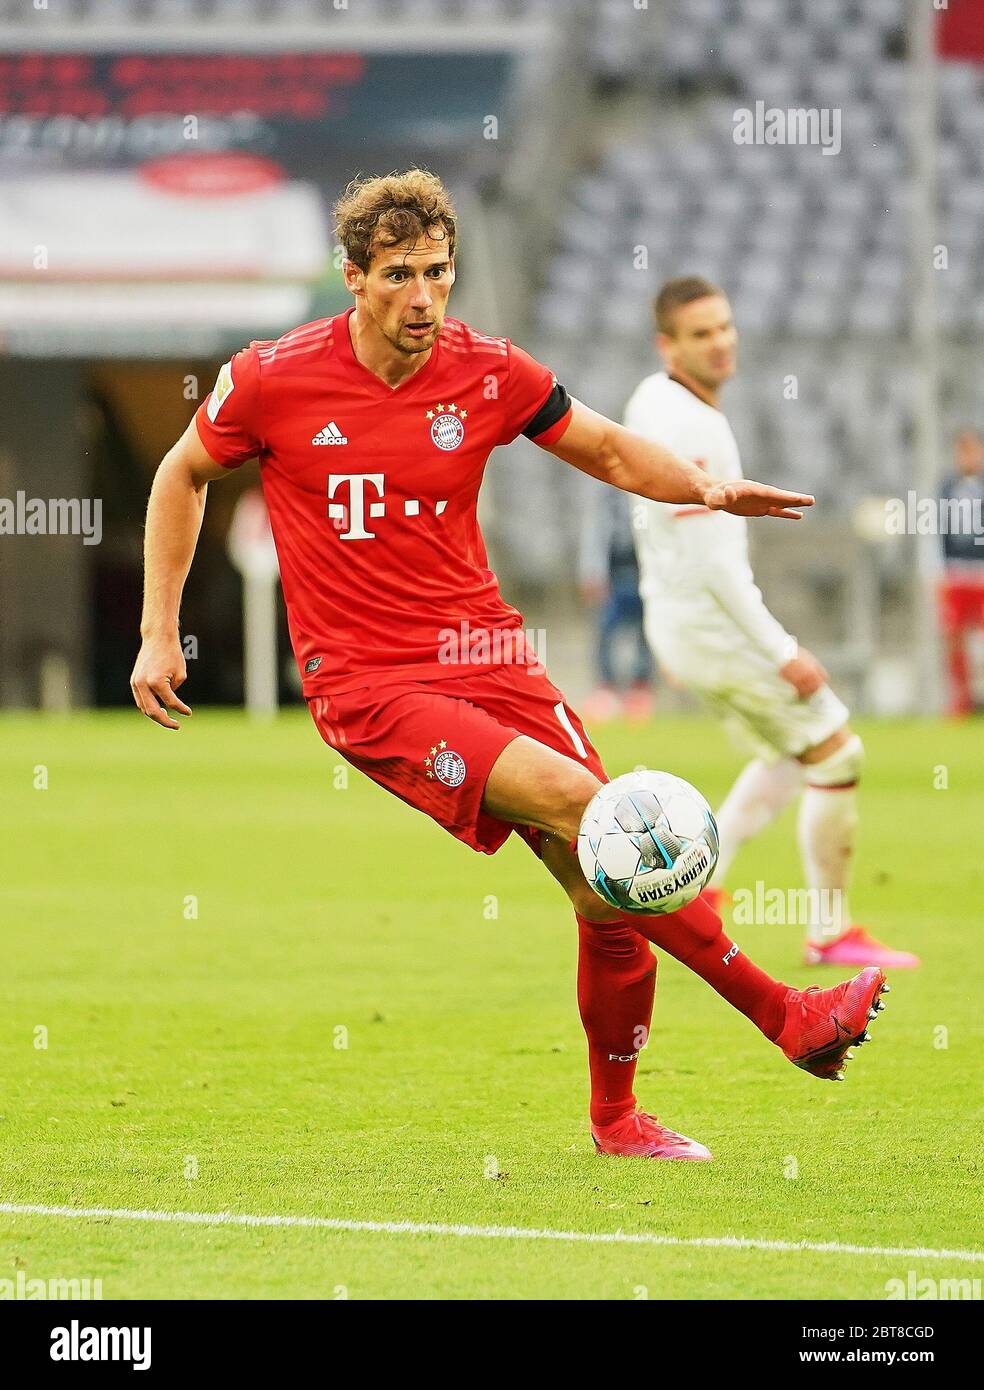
(814, 250)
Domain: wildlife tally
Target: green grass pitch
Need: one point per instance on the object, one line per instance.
(366, 1021)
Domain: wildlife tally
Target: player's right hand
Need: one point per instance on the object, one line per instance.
(746, 497)
(804, 673)
(158, 672)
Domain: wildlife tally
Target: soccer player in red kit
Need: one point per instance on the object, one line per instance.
(372, 430)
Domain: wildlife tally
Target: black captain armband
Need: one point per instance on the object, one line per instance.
(553, 410)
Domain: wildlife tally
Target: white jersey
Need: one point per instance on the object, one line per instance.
(702, 604)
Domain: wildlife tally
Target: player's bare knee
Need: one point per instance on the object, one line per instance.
(837, 762)
(829, 745)
(587, 904)
(566, 796)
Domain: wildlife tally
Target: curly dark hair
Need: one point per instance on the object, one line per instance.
(392, 209)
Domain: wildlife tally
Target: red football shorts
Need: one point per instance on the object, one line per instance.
(961, 603)
(434, 743)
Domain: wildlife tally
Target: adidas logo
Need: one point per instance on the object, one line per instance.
(331, 434)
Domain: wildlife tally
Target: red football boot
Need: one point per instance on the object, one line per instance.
(638, 1135)
(822, 1024)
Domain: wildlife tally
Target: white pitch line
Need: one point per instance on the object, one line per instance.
(431, 1228)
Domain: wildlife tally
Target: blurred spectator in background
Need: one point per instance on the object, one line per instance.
(961, 591)
(609, 575)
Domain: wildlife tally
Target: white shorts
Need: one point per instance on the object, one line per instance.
(744, 690)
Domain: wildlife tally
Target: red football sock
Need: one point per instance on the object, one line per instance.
(694, 937)
(616, 982)
(961, 701)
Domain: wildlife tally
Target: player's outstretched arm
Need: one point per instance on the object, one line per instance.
(174, 519)
(598, 446)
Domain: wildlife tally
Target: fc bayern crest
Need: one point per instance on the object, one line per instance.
(449, 768)
(447, 425)
(447, 431)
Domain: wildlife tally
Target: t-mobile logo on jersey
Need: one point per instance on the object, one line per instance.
(353, 514)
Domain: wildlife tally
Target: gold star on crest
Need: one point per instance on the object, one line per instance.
(463, 414)
(440, 408)
(434, 751)
(453, 408)
(430, 414)
(430, 774)
(427, 762)
(443, 743)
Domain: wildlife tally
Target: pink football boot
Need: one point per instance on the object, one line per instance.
(856, 947)
(638, 1135)
(822, 1025)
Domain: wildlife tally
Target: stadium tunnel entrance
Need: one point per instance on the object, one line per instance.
(91, 435)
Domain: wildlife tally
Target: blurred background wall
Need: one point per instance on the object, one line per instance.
(167, 169)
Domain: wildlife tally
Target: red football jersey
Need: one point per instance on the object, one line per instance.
(372, 493)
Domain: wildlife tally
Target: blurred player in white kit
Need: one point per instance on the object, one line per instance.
(709, 627)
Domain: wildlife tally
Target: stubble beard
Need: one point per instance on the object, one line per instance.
(413, 346)
(712, 380)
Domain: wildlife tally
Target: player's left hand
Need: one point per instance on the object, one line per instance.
(748, 498)
(804, 673)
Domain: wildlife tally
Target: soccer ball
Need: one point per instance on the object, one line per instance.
(648, 842)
